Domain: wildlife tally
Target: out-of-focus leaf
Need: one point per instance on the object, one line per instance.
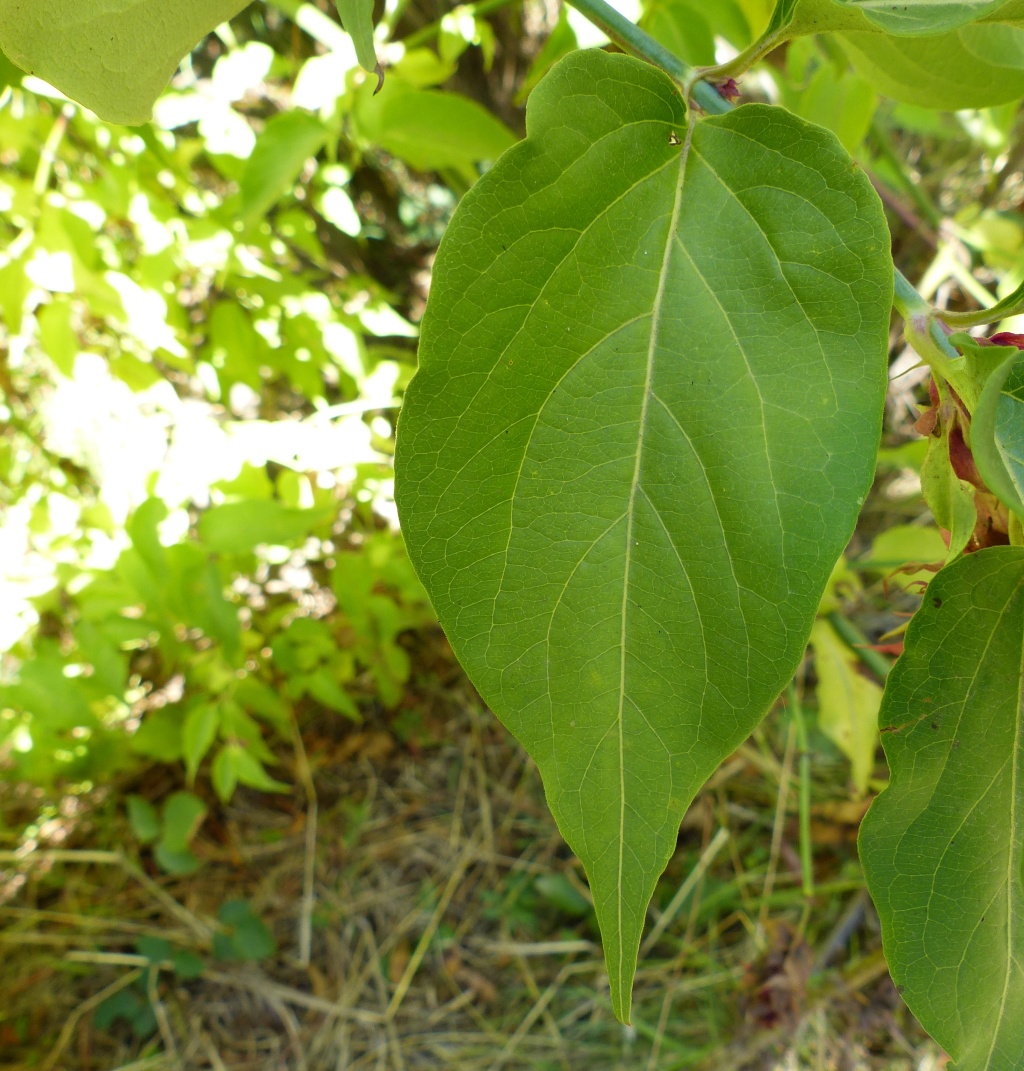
(560, 892)
(847, 702)
(429, 128)
(264, 701)
(183, 814)
(237, 727)
(155, 949)
(199, 732)
(114, 56)
(357, 18)
(904, 545)
(159, 735)
(682, 27)
(972, 67)
(322, 686)
(57, 336)
(288, 140)
(234, 346)
(239, 527)
(843, 103)
(224, 774)
(234, 764)
(917, 17)
(144, 820)
(244, 936)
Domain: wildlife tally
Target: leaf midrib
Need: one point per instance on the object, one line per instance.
(652, 347)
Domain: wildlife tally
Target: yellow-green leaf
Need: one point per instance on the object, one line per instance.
(848, 702)
(113, 56)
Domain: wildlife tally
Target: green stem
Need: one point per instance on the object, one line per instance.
(852, 636)
(924, 332)
(806, 844)
(1012, 305)
(746, 59)
(907, 301)
(630, 38)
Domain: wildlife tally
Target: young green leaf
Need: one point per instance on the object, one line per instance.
(649, 398)
(942, 845)
(950, 499)
(997, 432)
(113, 56)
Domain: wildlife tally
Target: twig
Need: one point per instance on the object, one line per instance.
(309, 859)
(160, 1014)
(778, 827)
(843, 930)
(373, 957)
(424, 942)
(200, 927)
(537, 948)
(86, 1006)
(291, 1028)
(806, 843)
(262, 987)
(211, 1052)
(536, 1011)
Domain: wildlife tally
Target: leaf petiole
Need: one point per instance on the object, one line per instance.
(634, 41)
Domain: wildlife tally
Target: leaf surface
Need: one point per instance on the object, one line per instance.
(921, 17)
(973, 67)
(650, 389)
(942, 845)
(113, 56)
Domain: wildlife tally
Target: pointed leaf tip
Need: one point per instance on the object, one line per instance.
(651, 382)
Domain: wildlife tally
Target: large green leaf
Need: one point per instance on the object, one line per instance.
(918, 17)
(942, 845)
(973, 67)
(113, 56)
(649, 396)
(898, 18)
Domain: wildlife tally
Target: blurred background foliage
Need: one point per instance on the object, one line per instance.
(206, 327)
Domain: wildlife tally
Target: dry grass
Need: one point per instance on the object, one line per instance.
(431, 946)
